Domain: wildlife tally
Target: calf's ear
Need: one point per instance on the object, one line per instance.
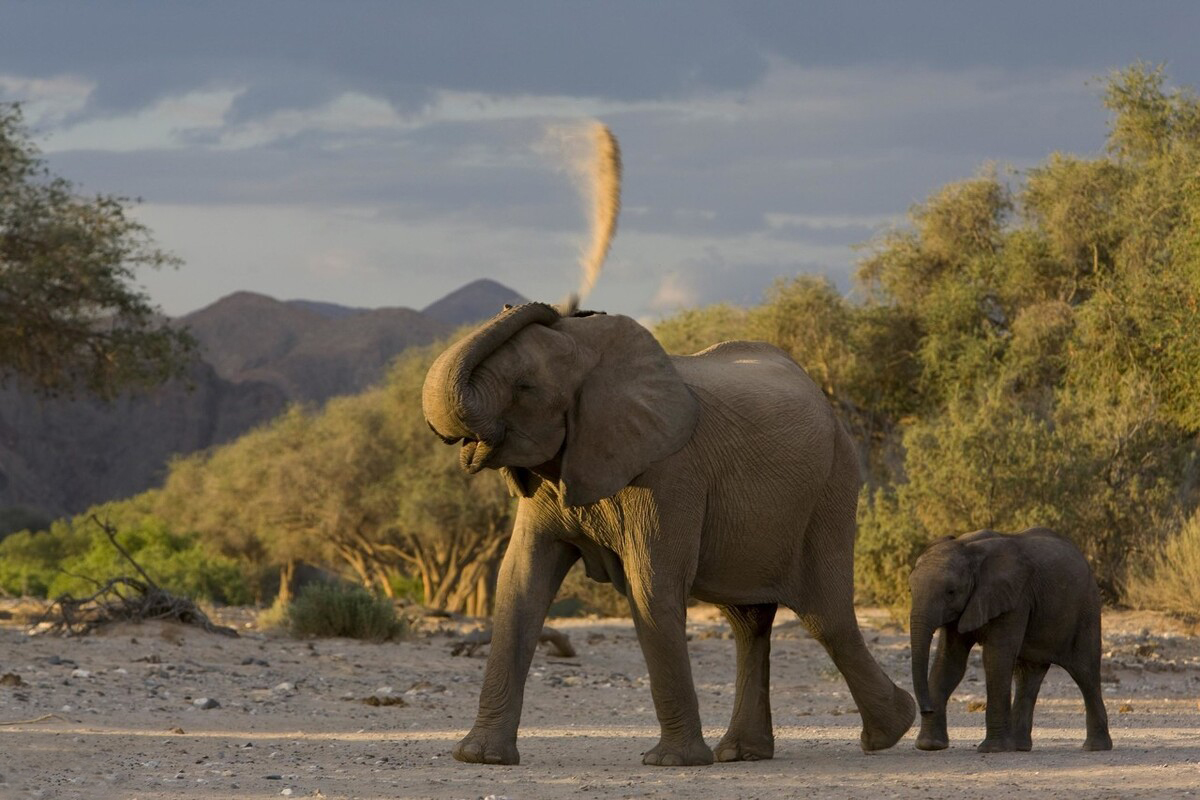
(1001, 582)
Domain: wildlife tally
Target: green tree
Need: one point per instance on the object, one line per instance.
(694, 329)
(1057, 348)
(810, 320)
(70, 314)
(359, 487)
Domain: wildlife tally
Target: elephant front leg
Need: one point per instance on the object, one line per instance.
(660, 617)
(948, 669)
(750, 737)
(530, 574)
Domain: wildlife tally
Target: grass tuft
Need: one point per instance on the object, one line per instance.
(334, 609)
(1170, 581)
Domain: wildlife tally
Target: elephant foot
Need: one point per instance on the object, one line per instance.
(487, 747)
(933, 734)
(694, 753)
(1102, 742)
(932, 743)
(1023, 744)
(928, 741)
(996, 745)
(745, 747)
(883, 727)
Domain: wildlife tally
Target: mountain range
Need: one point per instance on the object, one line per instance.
(257, 355)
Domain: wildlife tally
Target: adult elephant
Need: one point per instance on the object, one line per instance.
(722, 475)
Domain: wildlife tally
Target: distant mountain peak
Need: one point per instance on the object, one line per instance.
(330, 310)
(476, 301)
(258, 355)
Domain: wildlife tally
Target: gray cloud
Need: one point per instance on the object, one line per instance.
(732, 117)
(142, 51)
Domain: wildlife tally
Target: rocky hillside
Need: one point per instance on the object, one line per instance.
(258, 355)
(311, 351)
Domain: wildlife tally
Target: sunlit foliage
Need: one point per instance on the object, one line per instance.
(71, 315)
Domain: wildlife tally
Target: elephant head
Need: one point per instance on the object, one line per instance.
(963, 582)
(586, 401)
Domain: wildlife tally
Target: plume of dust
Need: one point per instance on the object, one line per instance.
(593, 157)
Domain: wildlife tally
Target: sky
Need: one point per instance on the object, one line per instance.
(385, 153)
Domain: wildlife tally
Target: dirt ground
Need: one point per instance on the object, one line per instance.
(118, 715)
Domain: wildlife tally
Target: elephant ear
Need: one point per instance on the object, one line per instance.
(1001, 582)
(630, 410)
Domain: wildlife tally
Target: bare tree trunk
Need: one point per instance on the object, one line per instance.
(287, 576)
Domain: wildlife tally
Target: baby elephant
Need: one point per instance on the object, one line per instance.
(1030, 599)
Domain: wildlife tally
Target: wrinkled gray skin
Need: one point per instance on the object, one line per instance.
(722, 476)
(1031, 601)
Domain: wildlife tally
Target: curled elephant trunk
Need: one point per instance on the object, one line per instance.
(921, 634)
(452, 407)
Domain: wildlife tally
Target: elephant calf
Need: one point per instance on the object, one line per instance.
(1030, 599)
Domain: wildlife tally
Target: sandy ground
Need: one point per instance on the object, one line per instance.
(291, 720)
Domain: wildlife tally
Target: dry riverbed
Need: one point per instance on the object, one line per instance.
(162, 711)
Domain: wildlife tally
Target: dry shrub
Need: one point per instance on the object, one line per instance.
(335, 609)
(1170, 581)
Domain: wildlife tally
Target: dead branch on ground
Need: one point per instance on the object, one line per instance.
(124, 599)
(560, 643)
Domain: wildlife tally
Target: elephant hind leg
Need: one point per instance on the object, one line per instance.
(1087, 677)
(824, 602)
(1028, 683)
(750, 736)
(887, 710)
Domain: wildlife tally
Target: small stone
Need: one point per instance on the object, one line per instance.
(273, 777)
(287, 687)
(286, 792)
(205, 703)
(11, 679)
(80, 673)
(176, 729)
(425, 687)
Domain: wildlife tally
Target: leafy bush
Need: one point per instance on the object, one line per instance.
(75, 555)
(28, 563)
(407, 588)
(1170, 581)
(887, 546)
(175, 561)
(336, 609)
